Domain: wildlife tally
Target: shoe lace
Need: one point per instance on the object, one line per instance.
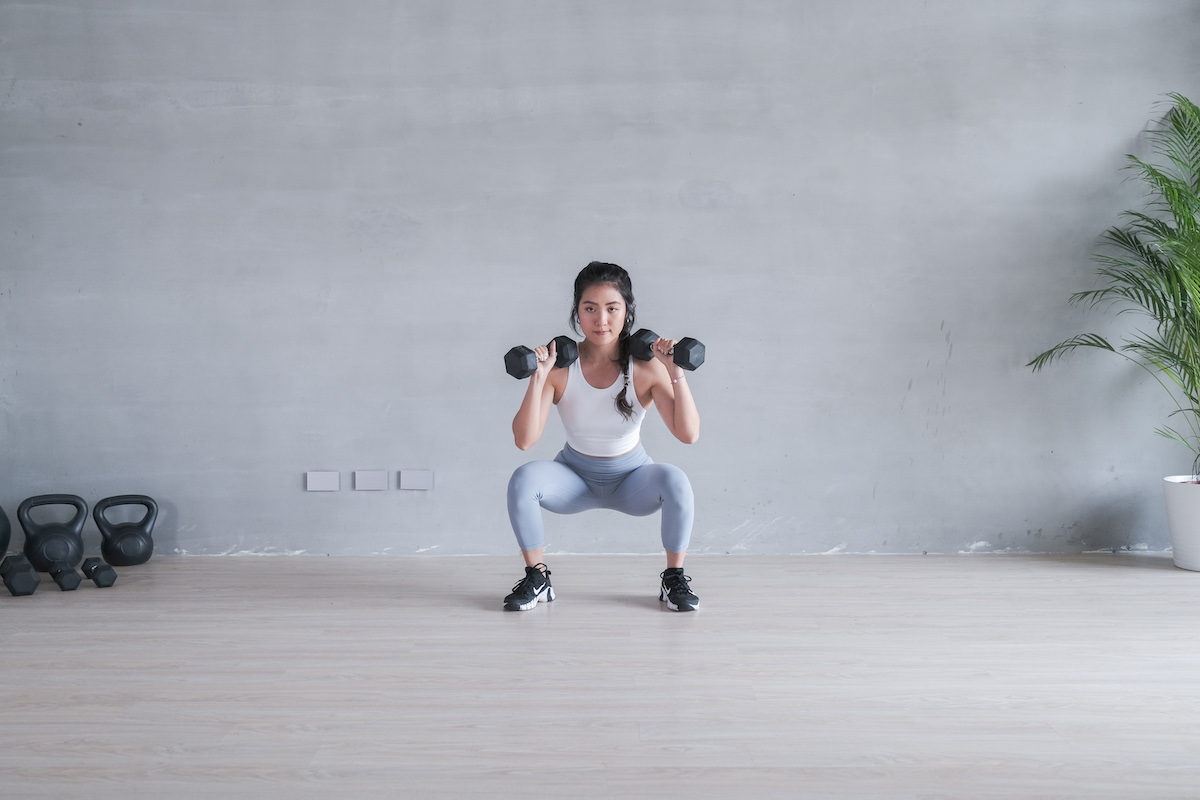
(539, 571)
(677, 582)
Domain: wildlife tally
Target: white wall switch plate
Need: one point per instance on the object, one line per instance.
(323, 481)
(418, 479)
(370, 480)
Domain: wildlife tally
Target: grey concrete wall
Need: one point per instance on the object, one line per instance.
(244, 240)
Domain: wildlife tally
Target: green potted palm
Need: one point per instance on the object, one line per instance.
(1150, 265)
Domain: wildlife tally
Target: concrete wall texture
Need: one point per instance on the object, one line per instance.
(240, 241)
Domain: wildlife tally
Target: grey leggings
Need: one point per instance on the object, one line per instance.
(573, 482)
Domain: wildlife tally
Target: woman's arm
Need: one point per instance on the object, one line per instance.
(671, 393)
(531, 417)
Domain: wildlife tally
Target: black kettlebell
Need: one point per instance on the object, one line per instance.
(5, 533)
(126, 544)
(54, 542)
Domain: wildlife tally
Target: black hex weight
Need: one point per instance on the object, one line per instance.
(126, 544)
(521, 362)
(100, 573)
(688, 353)
(65, 576)
(20, 578)
(53, 542)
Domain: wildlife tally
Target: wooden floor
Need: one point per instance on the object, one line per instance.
(811, 676)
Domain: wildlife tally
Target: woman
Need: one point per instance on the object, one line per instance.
(602, 398)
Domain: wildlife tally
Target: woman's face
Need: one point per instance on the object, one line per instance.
(601, 313)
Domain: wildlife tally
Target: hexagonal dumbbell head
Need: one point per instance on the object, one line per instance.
(641, 344)
(20, 578)
(101, 574)
(520, 362)
(566, 351)
(65, 576)
(689, 353)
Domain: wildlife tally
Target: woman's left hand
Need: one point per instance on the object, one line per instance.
(673, 397)
(664, 350)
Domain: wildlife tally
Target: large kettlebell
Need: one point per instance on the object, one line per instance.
(126, 544)
(5, 533)
(54, 542)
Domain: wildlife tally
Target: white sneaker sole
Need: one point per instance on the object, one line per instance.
(662, 595)
(544, 596)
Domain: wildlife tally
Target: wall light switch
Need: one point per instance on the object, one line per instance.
(370, 480)
(419, 479)
(323, 481)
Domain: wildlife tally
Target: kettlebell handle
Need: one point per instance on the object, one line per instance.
(125, 500)
(32, 529)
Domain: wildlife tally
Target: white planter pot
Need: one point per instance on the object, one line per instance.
(1183, 519)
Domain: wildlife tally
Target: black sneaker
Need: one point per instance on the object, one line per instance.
(534, 588)
(675, 591)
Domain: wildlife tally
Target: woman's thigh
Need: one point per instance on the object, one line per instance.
(648, 487)
(555, 486)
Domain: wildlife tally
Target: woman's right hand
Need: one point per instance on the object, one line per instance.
(546, 356)
(530, 420)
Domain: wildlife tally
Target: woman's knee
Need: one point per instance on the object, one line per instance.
(522, 478)
(676, 487)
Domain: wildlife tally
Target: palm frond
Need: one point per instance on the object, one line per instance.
(1074, 343)
(1150, 265)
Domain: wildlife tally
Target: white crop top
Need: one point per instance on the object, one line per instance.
(594, 425)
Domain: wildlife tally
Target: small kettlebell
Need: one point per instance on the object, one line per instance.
(126, 544)
(54, 542)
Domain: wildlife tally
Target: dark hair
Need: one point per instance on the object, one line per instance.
(599, 272)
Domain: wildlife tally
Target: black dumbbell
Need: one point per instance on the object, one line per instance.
(521, 362)
(689, 353)
(20, 578)
(65, 576)
(101, 574)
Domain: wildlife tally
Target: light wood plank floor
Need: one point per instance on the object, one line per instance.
(811, 676)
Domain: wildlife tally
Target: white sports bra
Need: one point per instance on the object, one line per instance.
(594, 426)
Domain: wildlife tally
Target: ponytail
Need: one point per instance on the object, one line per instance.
(623, 405)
